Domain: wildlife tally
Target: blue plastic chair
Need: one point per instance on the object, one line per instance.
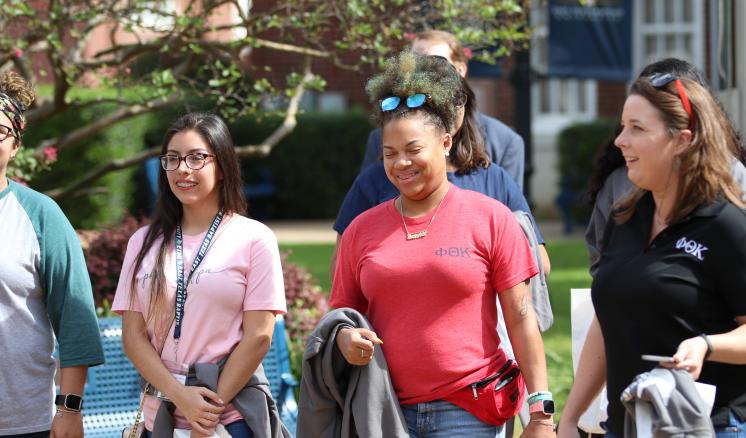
(112, 395)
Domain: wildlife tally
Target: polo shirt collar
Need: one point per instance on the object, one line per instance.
(646, 207)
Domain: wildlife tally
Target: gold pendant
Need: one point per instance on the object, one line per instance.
(419, 235)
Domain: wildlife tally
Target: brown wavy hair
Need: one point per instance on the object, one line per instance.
(168, 209)
(704, 166)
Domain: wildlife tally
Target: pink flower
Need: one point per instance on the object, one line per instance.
(50, 154)
(409, 36)
(468, 53)
(18, 52)
(127, 70)
(20, 181)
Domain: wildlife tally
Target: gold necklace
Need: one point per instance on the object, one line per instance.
(423, 233)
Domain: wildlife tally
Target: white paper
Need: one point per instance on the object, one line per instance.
(581, 314)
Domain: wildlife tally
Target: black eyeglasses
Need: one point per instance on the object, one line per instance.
(5, 132)
(194, 160)
(660, 80)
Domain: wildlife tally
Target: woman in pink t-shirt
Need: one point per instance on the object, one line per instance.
(424, 269)
(201, 283)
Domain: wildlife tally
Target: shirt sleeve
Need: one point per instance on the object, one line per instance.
(518, 202)
(123, 299)
(265, 287)
(68, 290)
(729, 266)
(512, 260)
(346, 290)
(372, 149)
(356, 201)
(513, 160)
(594, 234)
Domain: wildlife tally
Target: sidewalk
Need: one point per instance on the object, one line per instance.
(321, 231)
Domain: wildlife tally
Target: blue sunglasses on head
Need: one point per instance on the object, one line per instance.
(414, 101)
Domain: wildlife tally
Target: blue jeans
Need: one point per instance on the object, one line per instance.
(441, 419)
(237, 429)
(734, 429)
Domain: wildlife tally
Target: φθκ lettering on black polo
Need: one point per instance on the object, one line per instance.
(650, 296)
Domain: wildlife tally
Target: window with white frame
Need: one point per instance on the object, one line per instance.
(157, 15)
(668, 28)
(727, 45)
(569, 99)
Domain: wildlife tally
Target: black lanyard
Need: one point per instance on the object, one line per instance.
(181, 285)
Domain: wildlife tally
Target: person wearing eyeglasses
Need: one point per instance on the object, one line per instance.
(426, 267)
(670, 280)
(609, 181)
(45, 295)
(200, 286)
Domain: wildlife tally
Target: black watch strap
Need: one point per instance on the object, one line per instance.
(70, 402)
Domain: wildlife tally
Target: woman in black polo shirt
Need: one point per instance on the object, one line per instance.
(672, 276)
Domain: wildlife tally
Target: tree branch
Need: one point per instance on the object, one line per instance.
(102, 123)
(287, 126)
(116, 164)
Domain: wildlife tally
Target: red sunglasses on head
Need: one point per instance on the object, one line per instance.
(660, 80)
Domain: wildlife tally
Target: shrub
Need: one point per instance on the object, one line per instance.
(578, 145)
(306, 305)
(104, 255)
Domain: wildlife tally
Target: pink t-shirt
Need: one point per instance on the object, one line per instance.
(432, 300)
(241, 271)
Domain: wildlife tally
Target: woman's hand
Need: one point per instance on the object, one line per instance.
(689, 356)
(357, 345)
(201, 407)
(540, 426)
(567, 428)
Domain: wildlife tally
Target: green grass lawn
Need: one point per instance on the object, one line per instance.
(569, 270)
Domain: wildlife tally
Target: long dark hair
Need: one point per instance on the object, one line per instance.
(168, 210)
(608, 159)
(468, 151)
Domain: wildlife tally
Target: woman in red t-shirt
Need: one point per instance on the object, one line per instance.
(424, 269)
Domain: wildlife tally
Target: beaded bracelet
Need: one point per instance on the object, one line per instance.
(549, 423)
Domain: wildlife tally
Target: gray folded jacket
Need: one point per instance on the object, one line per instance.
(339, 400)
(668, 404)
(254, 402)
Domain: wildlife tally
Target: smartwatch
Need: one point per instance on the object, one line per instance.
(69, 402)
(543, 406)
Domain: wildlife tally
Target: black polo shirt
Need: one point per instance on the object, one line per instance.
(649, 297)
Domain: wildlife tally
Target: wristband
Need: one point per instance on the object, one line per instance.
(709, 345)
(538, 396)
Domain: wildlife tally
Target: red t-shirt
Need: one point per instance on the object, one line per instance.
(432, 300)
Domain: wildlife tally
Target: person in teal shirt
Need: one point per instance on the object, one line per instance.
(45, 294)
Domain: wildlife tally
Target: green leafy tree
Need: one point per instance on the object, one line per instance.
(159, 53)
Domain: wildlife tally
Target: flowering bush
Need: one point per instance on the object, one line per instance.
(306, 305)
(104, 254)
(104, 251)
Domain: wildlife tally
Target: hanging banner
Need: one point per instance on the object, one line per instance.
(590, 39)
